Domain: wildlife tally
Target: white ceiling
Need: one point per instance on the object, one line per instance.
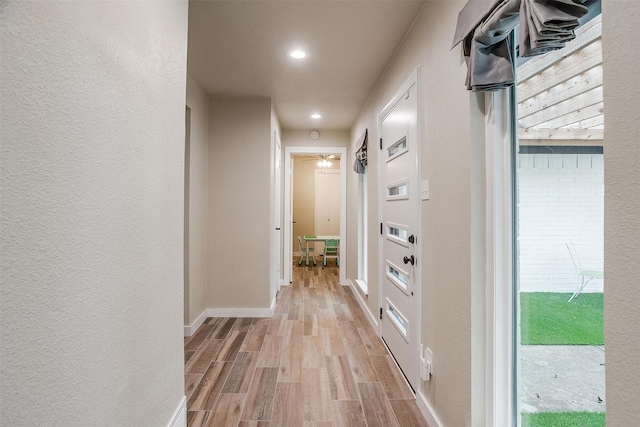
(239, 48)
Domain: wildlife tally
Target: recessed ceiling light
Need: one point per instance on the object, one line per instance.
(316, 116)
(297, 54)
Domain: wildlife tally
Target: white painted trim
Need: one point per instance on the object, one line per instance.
(427, 411)
(179, 418)
(228, 312)
(191, 329)
(364, 307)
(241, 312)
(499, 267)
(363, 287)
(289, 151)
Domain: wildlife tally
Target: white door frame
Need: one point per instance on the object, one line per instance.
(276, 230)
(413, 79)
(288, 220)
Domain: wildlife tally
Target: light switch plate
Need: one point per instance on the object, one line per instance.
(425, 190)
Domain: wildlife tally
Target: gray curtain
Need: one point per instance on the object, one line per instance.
(361, 154)
(484, 25)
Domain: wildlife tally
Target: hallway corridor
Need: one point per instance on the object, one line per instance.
(316, 363)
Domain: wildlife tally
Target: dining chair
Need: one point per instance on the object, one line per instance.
(303, 252)
(331, 250)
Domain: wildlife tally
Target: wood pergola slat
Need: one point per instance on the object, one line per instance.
(584, 82)
(562, 134)
(567, 107)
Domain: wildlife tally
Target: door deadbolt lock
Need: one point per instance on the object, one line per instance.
(412, 239)
(408, 260)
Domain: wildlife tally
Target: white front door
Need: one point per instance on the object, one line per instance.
(400, 188)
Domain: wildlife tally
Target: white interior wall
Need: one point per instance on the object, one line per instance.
(239, 204)
(622, 204)
(446, 217)
(93, 127)
(196, 288)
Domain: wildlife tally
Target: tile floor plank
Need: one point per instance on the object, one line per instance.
(341, 383)
(221, 330)
(286, 410)
(231, 346)
(408, 413)
(193, 342)
(316, 363)
(332, 342)
(206, 393)
(254, 338)
(197, 418)
(254, 424)
(270, 353)
(241, 373)
(227, 411)
(259, 404)
(376, 408)
(202, 358)
(392, 380)
(317, 404)
(312, 355)
(361, 364)
(290, 369)
(349, 413)
(373, 343)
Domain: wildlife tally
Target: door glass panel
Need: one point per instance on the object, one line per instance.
(560, 235)
(397, 277)
(398, 190)
(397, 319)
(398, 234)
(397, 149)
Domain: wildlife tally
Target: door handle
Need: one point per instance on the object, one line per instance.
(277, 228)
(408, 260)
(412, 239)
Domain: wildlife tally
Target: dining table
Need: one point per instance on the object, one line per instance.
(314, 238)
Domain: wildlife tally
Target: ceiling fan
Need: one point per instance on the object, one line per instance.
(323, 160)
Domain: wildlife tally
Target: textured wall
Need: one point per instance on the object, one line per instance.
(92, 118)
(446, 218)
(239, 203)
(622, 206)
(198, 101)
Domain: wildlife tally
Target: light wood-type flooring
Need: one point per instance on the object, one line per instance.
(316, 363)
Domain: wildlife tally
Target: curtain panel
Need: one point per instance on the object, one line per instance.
(361, 155)
(484, 26)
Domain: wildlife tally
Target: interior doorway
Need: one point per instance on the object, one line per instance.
(302, 221)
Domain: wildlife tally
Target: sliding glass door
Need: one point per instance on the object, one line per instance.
(560, 353)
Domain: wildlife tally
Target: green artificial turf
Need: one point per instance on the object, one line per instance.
(563, 419)
(548, 319)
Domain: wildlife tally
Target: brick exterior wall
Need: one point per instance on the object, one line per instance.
(561, 199)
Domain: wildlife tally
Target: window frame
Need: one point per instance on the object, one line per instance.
(501, 268)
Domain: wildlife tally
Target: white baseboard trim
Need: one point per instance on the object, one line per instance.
(427, 411)
(241, 312)
(363, 305)
(191, 329)
(179, 418)
(228, 312)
